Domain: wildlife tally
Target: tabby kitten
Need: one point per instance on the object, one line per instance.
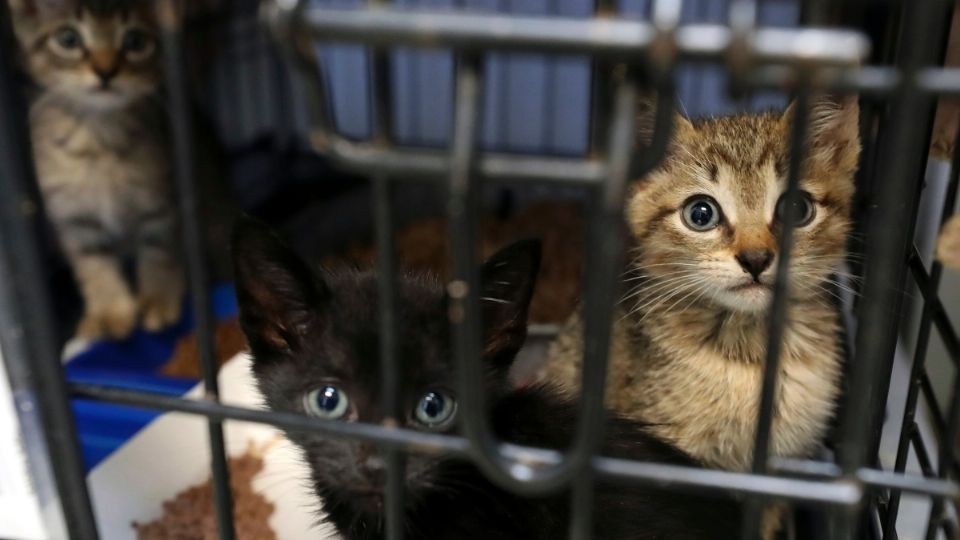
(102, 159)
(690, 337)
(314, 339)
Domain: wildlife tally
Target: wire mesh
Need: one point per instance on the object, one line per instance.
(629, 56)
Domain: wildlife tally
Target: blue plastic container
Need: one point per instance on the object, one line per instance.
(132, 364)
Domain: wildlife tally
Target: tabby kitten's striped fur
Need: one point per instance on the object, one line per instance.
(102, 158)
(689, 342)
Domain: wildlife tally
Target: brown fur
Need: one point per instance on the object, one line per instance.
(687, 351)
(948, 246)
(102, 159)
(947, 120)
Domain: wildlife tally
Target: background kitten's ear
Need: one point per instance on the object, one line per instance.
(507, 281)
(277, 293)
(42, 8)
(647, 118)
(834, 130)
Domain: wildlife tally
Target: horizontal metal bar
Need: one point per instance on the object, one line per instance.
(942, 81)
(837, 491)
(543, 330)
(869, 477)
(400, 438)
(811, 491)
(622, 38)
(371, 158)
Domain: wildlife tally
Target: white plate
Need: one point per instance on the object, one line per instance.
(172, 453)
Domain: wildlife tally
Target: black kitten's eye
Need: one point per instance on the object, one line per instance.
(701, 213)
(435, 409)
(68, 38)
(328, 402)
(803, 209)
(137, 41)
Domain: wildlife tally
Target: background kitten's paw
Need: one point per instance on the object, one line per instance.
(159, 312)
(115, 320)
(948, 247)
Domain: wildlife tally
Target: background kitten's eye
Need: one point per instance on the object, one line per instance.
(701, 213)
(328, 402)
(68, 38)
(137, 42)
(435, 409)
(803, 209)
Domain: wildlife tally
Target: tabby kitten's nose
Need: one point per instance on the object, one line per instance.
(105, 75)
(755, 261)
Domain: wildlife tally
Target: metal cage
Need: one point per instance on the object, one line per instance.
(899, 85)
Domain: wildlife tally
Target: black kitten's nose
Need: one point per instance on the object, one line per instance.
(755, 261)
(373, 468)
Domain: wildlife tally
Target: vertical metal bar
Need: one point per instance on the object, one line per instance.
(464, 308)
(308, 71)
(390, 381)
(920, 351)
(462, 199)
(30, 345)
(600, 89)
(778, 309)
(194, 250)
(903, 148)
(946, 457)
(383, 215)
(604, 254)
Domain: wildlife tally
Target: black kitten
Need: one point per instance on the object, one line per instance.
(314, 339)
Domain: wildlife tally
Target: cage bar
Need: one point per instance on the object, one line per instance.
(194, 252)
(29, 344)
(603, 256)
(920, 352)
(625, 53)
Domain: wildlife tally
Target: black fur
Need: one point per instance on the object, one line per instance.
(308, 330)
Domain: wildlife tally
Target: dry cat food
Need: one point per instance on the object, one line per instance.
(190, 514)
(423, 246)
(185, 361)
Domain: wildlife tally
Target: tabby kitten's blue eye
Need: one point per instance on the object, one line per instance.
(435, 409)
(328, 402)
(68, 38)
(701, 213)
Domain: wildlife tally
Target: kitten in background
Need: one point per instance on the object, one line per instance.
(945, 125)
(690, 339)
(103, 161)
(314, 342)
(948, 246)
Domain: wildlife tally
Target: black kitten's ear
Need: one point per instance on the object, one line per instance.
(277, 293)
(508, 280)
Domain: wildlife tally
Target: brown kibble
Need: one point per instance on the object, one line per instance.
(190, 514)
(422, 245)
(185, 362)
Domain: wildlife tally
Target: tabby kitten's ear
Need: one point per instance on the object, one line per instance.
(279, 297)
(647, 103)
(507, 280)
(833, 131)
